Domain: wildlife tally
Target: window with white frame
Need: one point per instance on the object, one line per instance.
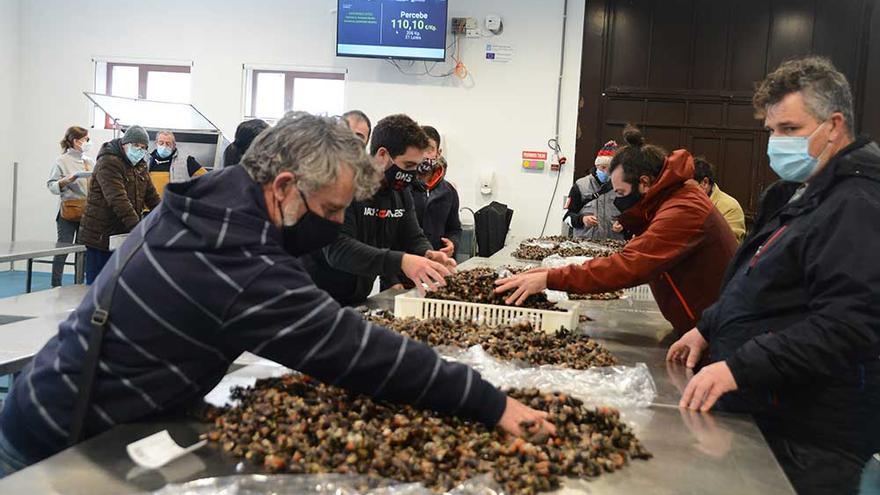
(270, 93)
(143, 81)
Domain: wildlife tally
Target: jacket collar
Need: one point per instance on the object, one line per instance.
(860, 159)
(678, 169)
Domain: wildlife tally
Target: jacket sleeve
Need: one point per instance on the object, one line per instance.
(55, 174)
(733, 214)
(676, 230)
(410, 233)
(453, 222)
(575, 204)
(841, 276)
(112, 181)
(151, 195)
(350, 255)
(707, 322)
(301, 327)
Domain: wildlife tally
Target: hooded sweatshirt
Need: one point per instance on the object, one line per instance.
(376, 234)
(211, 281)
(436, 204)
(681, 249)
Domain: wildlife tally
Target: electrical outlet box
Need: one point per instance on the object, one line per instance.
(473, 33)
(463, 25)
(493, 22)
(458, 25)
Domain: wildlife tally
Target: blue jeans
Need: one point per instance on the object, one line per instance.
(11, 460)
(95, 261)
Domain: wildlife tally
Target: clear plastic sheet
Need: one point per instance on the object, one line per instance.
(616, 386)
(557, 261)
(541, 244)
(336, 484)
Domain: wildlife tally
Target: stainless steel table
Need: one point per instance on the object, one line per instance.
(21, 340)
(694, 453)
(57, 300)
(30, 250)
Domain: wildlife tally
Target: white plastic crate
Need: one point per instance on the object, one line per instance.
(640, 293)
(411, 305)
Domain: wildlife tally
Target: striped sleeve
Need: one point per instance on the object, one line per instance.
(282, 316)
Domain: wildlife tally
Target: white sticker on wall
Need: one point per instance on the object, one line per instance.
(499, 53)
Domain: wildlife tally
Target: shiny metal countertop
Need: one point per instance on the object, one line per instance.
(23, 250)
(693, 453)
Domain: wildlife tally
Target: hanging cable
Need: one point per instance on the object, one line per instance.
(553, 144)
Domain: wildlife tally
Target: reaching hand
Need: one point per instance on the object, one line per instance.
(707, 386)
(522, 285)
(688, 349)
(590, 221)
(440, 257)
(616, 227)
(516, 413)
(448, 247)
(424, 272)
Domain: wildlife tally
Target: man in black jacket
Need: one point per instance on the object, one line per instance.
(381, 235)
(795, 335)
(436, 200)
(212, 273)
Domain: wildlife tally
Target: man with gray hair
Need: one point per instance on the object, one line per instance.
(167, 166)
(794, 338)
(212, 273)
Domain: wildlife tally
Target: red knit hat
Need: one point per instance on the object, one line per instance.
(605, 154)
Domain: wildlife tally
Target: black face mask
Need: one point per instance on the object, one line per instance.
(398, 178)
(311, 232)
(624, 203)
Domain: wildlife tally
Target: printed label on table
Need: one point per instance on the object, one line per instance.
(158, 450)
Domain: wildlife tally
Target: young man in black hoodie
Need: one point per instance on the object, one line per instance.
(212, 272)
(436, 200)
(381, 235)
(794, 337)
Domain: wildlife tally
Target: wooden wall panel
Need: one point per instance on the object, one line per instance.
(629, 43)
(711, 30)
(747, 43)
(671, 44)
(684, 70)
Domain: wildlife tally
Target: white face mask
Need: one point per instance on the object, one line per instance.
(86, 146)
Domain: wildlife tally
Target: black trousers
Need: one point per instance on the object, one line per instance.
(818, 470)
(66, 233)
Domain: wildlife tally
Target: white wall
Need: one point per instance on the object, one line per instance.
(487, 121)
(9, 68)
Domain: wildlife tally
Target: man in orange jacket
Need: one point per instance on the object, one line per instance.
(681, 248)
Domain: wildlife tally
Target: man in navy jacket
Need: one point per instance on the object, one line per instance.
(794, 338)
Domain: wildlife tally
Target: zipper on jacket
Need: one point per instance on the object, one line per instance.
(680, 296)
(764, 247)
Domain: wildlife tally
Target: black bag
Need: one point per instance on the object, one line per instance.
(492, 223)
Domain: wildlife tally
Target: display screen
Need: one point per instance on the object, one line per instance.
(404, 29)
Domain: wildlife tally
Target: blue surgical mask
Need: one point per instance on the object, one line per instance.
(164, 151)
(135, 154)
(790, 157)
(602, 176)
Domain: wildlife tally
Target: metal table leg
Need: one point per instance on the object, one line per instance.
(78, 268)
(30, 275)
